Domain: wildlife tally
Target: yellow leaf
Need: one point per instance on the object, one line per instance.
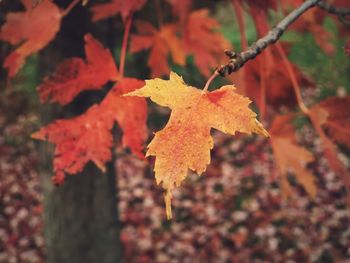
(185, 142)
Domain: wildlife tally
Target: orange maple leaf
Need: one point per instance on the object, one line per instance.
(75, 75)
(125, 8)
(203, 42)
(33, 29)
(162, 43)
(185, 142)
(88, 137)
(290, 156)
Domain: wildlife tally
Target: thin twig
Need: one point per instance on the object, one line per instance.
(295, 84)
(342, 13)
(263, 74)
(244, 42)
(240, 19)
(237, 60)
(333, 9)
(70, 7)
(159, 13)
(125, 45)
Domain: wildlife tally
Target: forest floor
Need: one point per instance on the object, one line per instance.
(235, 212)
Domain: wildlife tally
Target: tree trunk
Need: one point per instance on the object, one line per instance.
(80, 216)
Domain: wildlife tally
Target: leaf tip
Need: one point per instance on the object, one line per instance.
(37, 135)
(261, 130)
(135, 93)
(175, 77)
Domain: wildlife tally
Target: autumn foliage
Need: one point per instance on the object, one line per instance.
(186, 137)
(271, 81)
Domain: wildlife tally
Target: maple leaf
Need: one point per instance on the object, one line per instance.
(337, 123)
(162, 43)
(265, 69)
(88, 137)
(203, 42)
(32, 29)
(75, 75)
(290, 156)
(181, 9)
(125, 8)
(319, 117)
(185, 142)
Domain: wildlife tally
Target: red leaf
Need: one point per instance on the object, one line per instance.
(162, 43)
(203, 42)
(337, 123)
(75, 75)
(88, 137)
(318, 116)
(281, 92)
(33, 29)
(129, 112)
(181, 8)
(125, 8)
(270, 67)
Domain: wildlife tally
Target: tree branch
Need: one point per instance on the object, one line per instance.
(333, 9)
(237, 60)
(342, 13)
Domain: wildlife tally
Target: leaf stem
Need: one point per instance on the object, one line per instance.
(240, 19)
(158, 13)
(125, 45)
(212, 77)
(263, 80)
(70, 7)
(295, 84)
(334, 9)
